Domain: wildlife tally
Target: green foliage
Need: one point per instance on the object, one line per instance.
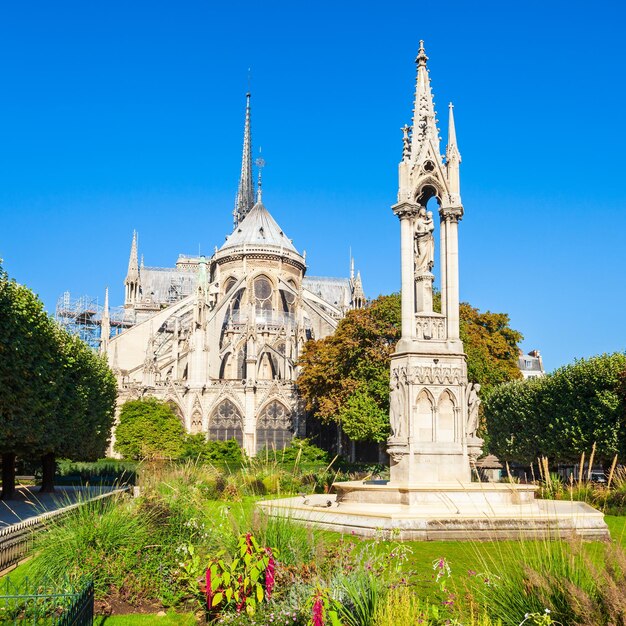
(149, 429)
(298, 451)
(198, 448)
(562, 577)
(490, 345)
(362, 417)
(101, 539)
(360, 595)
(29, 372)
(242, 583)
(345, 377)
(103, 471)
(322, 609)
(56, 396)
(561, 415)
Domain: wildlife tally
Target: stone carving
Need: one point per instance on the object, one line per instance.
(473, 402)
(397, 403)
(424, 241)
(435, 375)
(430, 328)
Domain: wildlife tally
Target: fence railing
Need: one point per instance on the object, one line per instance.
(16, 540)
(46, 602)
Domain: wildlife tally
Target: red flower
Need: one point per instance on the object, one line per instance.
(318, 611)
(269, 573)
(208, 590)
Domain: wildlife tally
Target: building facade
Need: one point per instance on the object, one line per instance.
(531, 364)
(219, 338)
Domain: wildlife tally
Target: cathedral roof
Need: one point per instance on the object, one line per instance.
(259, 228)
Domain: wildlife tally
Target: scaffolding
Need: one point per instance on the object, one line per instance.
(83, 317)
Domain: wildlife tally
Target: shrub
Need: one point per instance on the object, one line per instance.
(149, 429)
(198, 448)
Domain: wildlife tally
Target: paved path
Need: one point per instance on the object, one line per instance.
(30, 503)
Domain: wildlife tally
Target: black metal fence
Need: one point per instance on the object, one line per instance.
(46, 603)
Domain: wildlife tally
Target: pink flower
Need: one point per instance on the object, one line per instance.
(269, 573)
(208, 590)
(318, 611)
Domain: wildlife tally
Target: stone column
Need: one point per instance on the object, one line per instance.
(450, 217)
(443, 260)
(405, 212)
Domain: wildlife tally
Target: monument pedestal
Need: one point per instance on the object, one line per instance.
(439, 512)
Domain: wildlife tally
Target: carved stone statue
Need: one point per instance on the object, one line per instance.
(473, 402)
(396, 405)
(424, 241)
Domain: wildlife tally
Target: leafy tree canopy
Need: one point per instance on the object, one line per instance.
(149, 429)
(345, 377)
(563, 414)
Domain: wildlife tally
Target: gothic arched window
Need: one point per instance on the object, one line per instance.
(196, 423)
(226, 423)
(274, 426)
(263, 294)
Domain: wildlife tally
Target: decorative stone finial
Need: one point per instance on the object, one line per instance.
(421, 55)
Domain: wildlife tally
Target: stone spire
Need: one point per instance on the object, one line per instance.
(245, 193)
(133, 261)
(424, 129)
(453, 159)
(132, 276)
(358, 295)
(105, 324)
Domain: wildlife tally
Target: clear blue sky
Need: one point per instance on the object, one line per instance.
(117, 116)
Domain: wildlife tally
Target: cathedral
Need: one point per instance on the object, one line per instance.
(219, 338)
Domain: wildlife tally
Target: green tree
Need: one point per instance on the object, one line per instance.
(345, 377)
(80, 427)
(563, 414)
(149, 429)
(29, 376)
(349, 371)
(56, 395)
(491, 346)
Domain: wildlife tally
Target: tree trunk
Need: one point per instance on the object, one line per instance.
(8, 476)
(48, 463)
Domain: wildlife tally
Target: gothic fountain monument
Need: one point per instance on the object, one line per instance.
(433, 406)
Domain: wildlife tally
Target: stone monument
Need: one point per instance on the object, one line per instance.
(433, 408)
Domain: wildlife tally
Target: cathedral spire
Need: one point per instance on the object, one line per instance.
(132, 276)
(453, 159)
(133, 261)
(245, 193)
(424, 129)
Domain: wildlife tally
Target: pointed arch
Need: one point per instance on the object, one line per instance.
(424, 416)
(267, 368)
(175, 406)
(196, 422)
(446, 417)
(226, 366)
(226, 422)
(275, 425)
